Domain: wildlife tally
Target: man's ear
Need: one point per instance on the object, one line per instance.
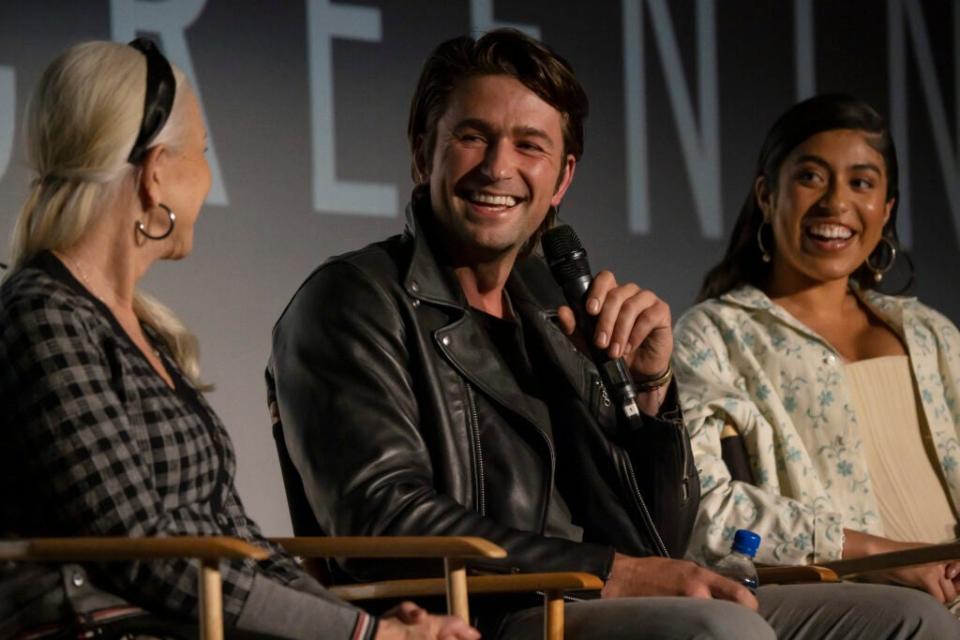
(566, 177)
(421, 165)
(152, 172)
(764, 196)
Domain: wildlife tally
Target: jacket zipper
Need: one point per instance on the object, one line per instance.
(475, 433)
(635, 486)
(685, 486)
(642, 507)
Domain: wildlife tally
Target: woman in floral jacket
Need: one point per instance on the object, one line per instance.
(844, 398)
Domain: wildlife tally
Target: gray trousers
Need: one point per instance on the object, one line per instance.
(810, 611)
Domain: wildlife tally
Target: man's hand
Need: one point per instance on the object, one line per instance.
(632, 323)
(407, 621)
(634, 577)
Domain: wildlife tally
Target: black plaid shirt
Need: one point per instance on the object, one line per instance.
(94, 443)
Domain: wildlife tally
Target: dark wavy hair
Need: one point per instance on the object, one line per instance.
(742, 263)
(499, 52)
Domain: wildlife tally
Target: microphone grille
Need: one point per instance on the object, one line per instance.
(560, 241)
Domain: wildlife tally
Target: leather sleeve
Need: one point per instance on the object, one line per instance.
(349, 408)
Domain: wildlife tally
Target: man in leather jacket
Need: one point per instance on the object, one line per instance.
(431, 384)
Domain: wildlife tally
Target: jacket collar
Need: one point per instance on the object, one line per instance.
(888, 308)
(465, 343)
(891, 309)
(425, 279)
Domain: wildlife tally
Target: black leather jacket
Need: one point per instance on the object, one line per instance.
(377, 367)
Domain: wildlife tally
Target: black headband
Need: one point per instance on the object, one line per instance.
(158, 102)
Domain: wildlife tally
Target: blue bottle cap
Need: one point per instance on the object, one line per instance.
(746, 542)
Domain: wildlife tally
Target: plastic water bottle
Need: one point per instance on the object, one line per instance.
(738, 564)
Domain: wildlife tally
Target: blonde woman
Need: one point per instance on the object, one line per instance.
(105, 430)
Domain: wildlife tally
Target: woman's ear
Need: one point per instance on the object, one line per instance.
(764, 196)
(889, 210)
(152, 169)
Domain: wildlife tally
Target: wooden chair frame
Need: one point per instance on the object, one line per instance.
(209, 550)
(840, 569)
(455, 552)
(795, 574)
(895, 559)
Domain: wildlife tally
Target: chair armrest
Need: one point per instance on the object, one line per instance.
(487, 584)
(896, 559)
(795, 574)
(208, 549)
(553, 581)
(121, 548)
(391, 547)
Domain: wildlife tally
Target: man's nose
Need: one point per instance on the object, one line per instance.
(497, 163)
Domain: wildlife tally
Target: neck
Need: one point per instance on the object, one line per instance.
(108, 262)
(806, 297)
(483, 285)
(482, 278)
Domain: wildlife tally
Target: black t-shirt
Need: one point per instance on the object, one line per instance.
(508, 337)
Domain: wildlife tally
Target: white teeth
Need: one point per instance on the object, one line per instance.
(498, 201)
(831, 231)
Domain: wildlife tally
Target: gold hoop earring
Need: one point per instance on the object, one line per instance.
(879, 272)
(764, 254)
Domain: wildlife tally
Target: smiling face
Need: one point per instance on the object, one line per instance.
(828, 210)
(497, 165)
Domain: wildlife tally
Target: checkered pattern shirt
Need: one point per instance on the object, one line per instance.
(94, 443)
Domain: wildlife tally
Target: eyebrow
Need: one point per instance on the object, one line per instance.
(521, 131)
(864, 166)
(533, 132)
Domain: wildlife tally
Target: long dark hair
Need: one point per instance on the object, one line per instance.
(743, 263)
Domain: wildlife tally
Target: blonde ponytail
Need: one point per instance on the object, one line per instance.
(81, 124)
(180, 343)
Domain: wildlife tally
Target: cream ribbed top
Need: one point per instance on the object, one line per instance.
(910, 492)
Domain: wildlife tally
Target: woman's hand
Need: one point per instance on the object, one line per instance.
(407, 621)
(941, 580)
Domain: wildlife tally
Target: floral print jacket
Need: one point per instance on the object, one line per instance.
(743, 360)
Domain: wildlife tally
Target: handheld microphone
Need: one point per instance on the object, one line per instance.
(568, 263)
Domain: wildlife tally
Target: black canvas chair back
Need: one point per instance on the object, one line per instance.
(301, 515)
(733, 451)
